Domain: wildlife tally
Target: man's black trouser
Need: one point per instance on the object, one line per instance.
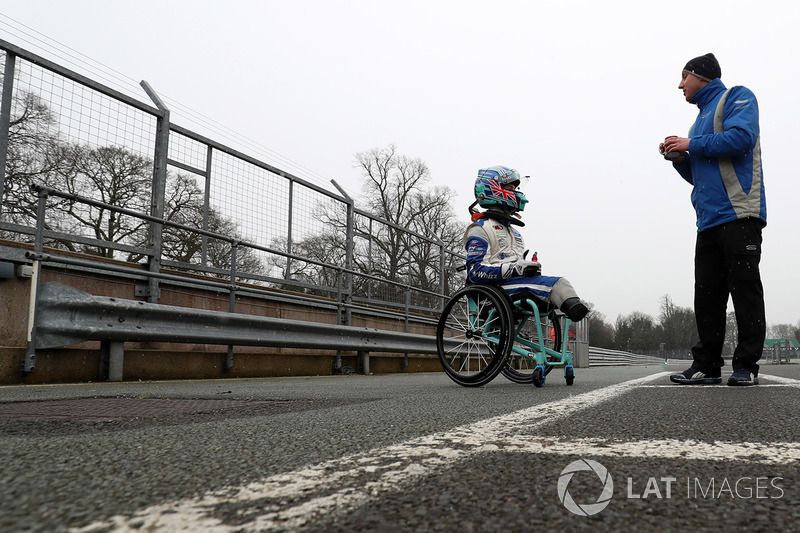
(726, 263)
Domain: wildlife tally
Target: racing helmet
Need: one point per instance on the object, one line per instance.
(489, 191)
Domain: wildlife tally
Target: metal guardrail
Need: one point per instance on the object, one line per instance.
(61, 317)
(344, 303)
(66, 316)
(605, 357)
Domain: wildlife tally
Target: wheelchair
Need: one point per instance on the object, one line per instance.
(483, 332)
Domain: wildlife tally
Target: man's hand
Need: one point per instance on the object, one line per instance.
(674, 148)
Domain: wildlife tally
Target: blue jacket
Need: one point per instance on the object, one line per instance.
(724, 160)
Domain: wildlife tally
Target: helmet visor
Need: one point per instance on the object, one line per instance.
(523, 182)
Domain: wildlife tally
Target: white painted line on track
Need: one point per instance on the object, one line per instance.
(781, 382)
(348, 482)
(780, 379)
(686, 450)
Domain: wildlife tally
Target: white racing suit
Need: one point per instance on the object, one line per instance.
(494, 248)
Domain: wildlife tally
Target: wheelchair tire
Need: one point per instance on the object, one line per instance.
(569, 374)
(519, 368)
(538, 375)
(475, 334)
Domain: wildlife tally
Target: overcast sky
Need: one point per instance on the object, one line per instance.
(576, 94)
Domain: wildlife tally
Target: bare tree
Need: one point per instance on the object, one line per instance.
(783, 331)
(431, 214)
(390, 181)
(385, 246)
(114, 176)
(311, 277)
(35, 155)
(184, 205)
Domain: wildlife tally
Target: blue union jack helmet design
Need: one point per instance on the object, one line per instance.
(489, 189)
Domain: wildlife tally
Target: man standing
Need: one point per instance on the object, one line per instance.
(721, 159)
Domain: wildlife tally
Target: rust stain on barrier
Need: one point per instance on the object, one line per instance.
(116, 408)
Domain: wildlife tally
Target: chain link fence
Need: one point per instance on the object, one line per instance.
(71, 134)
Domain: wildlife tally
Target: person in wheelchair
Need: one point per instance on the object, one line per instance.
(496, 250)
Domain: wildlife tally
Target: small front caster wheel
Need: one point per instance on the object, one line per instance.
(569, 374)
(539, 376)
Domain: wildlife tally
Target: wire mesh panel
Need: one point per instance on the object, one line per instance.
(85, 115)
(81, 138)
(253, 199)
(75, 138)
(187, 151)
(379, 253)
(319, 233)
(315, 214)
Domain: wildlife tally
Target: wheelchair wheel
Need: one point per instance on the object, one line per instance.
(538, 375)
(569, 374)
(474, 335)
(519, 368)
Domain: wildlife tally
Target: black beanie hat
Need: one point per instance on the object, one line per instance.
(705, 67)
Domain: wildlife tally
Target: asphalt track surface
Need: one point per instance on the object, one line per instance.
(621, 449)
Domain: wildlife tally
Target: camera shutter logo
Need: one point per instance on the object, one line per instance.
(585, 509)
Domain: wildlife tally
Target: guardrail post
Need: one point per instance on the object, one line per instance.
(363, 361)
(29, 363)
(349, 247)
(116, 356)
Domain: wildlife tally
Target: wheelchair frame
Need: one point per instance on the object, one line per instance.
(480, 335)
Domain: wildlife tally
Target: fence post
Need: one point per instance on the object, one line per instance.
(5, 118)
(206, 204)
(407, 329)
(441, 265)
(158, 189)
(369, 261)
(288, 274)
(348, 262)
(363, 361)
